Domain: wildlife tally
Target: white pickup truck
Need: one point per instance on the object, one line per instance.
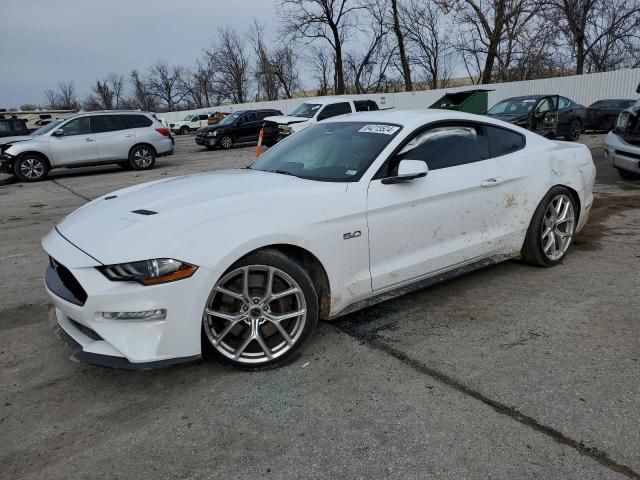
(314, 111)
(190, 123)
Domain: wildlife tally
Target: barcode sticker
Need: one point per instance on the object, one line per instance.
(383, 129)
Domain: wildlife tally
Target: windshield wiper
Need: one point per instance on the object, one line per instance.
(281, 172)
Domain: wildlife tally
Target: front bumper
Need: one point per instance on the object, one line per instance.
(621, 154)
(6, 163)
(206, 141)
(123, 343)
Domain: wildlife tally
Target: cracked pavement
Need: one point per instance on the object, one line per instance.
(509, 372)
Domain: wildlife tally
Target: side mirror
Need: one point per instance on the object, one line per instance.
(638, 88)
(58, 133)
(408, 170)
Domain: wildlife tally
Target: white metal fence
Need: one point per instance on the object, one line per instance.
(584, 89)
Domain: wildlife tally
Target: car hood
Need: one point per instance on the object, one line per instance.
(510, 117)
(210, 128)
(286, 119)
(155, 219)
(14, 139)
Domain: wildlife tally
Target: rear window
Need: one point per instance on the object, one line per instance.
(138, 121)
(503, 141)
(365, 105)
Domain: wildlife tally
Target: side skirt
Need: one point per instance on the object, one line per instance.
(423, 282)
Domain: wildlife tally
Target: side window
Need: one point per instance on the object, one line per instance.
(503, 141)
(547, 105)
(249, 117)
(77, 126)
(203, 117)
(447, 146)
(19, 126)
(563, 103)
(334, 110)
(138, 121)
(4, 126)
(108, 123)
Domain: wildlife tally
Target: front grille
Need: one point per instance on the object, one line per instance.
(84, 329)
(62, 282)
(628, 154)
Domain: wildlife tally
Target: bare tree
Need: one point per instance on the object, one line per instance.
(404, 61)
(65, 98)
(284, 64)
(141, 96)
(321, 64)
(231, 61)
(430, 46)
(264, 73)
(107, 93)
(601, 33)
(164, 82)
(328, 20)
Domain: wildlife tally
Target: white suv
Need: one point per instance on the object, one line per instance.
(130, 139)
(190, 123)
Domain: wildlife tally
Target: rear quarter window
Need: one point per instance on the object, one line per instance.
(138, 121)
(503, 141)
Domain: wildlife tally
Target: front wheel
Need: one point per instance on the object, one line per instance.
(31, 168)
(551, 229)
(184, 130)
(575, 130)
(142, 157)
(226, 142)
(260, 312)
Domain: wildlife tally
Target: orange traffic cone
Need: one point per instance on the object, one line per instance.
(259, 146)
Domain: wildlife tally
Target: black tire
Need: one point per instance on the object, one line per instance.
(31, 167)
(142, 157)
(184, 131)
(226, 142)
(575, 130)
(229, 343)
(533, 251)
(627, 175)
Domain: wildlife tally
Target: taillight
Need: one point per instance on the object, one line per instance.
(163, 131)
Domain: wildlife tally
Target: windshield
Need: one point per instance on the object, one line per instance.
(48, 127)
(229, 119)
(306, 110)
(329, 152)
(518, 106)
(187, 118)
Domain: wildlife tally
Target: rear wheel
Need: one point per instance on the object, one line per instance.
(142, 157)
(551, 229)
(575, 129)
(627, 175)
(260, 312)
(31, 167)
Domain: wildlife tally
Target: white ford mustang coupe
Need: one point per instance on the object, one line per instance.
(242, 263)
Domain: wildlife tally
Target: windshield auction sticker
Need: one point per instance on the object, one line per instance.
(384, 129)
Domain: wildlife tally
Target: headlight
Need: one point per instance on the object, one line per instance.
(210, 134)
(215, 133)
(285, 129)
(149, 272)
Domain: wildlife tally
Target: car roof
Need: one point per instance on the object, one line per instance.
(525, 97)
(106, 112)
(412, 119)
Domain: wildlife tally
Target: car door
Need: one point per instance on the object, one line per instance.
(77, 145)
(247, 127)
(544, 118)
(114, 137)
(565, 115)
(448, 218)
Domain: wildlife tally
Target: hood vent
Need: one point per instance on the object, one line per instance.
(144, 212)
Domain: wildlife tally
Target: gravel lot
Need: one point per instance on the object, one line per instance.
(507, 373)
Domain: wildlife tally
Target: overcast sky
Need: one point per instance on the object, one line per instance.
(45, 41)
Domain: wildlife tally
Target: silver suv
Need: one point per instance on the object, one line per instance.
(131, 139)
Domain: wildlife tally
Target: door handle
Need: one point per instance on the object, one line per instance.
(129, 135)
(88, 139)
(491, 182)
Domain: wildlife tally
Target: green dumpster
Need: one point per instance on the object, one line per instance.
(470, 101)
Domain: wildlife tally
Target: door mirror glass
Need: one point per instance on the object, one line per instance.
(408, 170)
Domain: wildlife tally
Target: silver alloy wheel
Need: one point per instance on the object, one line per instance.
(143, 157)
(255, 314)
(32, 168)
(558, 227)
(226, 141)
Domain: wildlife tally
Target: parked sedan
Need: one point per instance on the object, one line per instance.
(548, 115)
(602, 115)
(348, 212)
